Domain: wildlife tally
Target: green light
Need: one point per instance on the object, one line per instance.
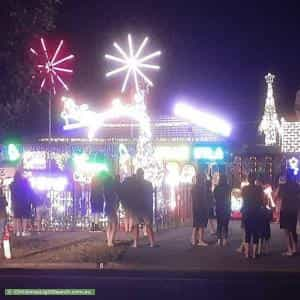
(13, 152)
(83, 164)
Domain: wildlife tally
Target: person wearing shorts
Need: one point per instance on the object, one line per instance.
(290, 194)
(141, 210)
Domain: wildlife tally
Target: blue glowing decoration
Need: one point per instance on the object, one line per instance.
(293, 164)
(208, 153)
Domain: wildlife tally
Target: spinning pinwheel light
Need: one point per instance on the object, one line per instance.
(50, 66)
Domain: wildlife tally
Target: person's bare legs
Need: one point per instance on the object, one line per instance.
(246, 251)
(130, 224)
(288, 241)
(195, 235)
(293, 243)
(114, 231)
(201, 237)
(254, 250)
(150, 234)
(212, 227)
(108, 234)
(17, 226)
(135, 235)
(260, 247)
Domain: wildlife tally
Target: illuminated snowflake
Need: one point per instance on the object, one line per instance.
(133, 64)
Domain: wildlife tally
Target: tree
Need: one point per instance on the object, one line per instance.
(21, 22)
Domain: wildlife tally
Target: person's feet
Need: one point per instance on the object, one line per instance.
(18, 234)
(219, 242)
(241, 249)
(202, 244)
(193, 242)
(134, 244)
(287, 253)
(225, 242)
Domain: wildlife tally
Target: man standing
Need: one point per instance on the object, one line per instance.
(143, 208)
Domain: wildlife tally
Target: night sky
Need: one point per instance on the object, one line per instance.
(214, 54)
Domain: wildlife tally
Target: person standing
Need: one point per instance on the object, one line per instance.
(252, 203)
(21, 205)
(3, 214)
(277, 199)
(222, 195)
(127, 200)
(42, 205)
(111, 206)
(97, 201)
(143, 207)
(211, 208)
(289, 194)
(200, 207)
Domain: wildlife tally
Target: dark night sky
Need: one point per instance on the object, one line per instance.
(214, 53)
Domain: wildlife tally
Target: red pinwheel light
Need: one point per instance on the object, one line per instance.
(51, 67)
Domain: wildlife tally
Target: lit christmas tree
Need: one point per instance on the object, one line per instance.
(270, 125)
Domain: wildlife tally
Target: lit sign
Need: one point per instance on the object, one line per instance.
(34, 160)
(43, 183)
(208, 153)
(85, 169)
(177, 153)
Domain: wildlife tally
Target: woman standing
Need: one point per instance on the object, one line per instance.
(200, 206)
(289, 194)
(222, 195)
(252, 203)
(21, 203)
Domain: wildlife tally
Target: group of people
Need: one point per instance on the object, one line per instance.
(203, 195)
(135, 194)
(256, 211)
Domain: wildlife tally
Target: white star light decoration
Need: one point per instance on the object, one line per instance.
(132, 63)
(50, 67)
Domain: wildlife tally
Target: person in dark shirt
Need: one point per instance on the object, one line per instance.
(252, 203)
(142, 208)
(200, 208)
(127, 198)
(289, 194)
(222, 195)
(21, 193)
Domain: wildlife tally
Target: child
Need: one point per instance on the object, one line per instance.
(3, 214)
